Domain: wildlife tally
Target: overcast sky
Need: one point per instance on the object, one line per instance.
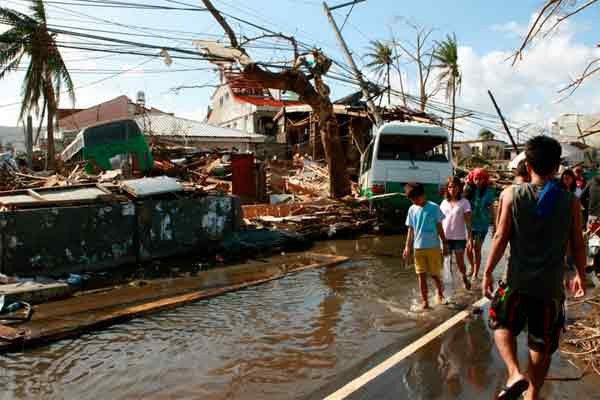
(488, 32)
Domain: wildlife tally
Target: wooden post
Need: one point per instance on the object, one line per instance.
(29, 141)
(504, 122)
(357, 73)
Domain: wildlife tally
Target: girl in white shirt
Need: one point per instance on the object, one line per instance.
(457, 225)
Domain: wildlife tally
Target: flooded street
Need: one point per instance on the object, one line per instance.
(290, 338)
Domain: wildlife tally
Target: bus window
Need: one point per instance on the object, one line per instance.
(412, 148)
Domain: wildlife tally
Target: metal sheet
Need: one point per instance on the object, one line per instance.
(151, 186)
(54, 195)
(67, 194)
(17, 199)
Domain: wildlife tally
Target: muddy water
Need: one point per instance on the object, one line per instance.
(284, 339)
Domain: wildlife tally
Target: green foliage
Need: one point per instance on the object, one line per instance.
(29, 37)
(445, 55)
(380, 57)
(486, 134)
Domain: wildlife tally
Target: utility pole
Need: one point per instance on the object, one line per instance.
(29, 141)
(504, 122)
(357, 73)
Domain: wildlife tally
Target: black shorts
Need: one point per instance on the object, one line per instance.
(545, 320)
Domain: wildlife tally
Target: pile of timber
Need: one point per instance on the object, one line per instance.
(16, 180)
(582, 338)
(312, 180)
(203, 171)
(316, 220)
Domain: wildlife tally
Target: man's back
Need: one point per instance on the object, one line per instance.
(538, 243)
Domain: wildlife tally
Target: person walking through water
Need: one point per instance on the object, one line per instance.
(424, 234)
(457, 225)
(539, 219)
(482, 198)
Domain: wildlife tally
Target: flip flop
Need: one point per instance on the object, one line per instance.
(514, 391)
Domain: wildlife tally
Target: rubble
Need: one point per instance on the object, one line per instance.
(319, 220)
(301, 182)
(582, 338)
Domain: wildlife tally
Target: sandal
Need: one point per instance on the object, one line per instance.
(514, 391)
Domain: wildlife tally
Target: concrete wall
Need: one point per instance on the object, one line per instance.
(59, 240)
(231, 113)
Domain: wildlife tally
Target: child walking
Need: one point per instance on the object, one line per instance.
(457, 225)
(424, 233)
(482, 196)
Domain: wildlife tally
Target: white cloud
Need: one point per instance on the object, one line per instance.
(512, 29)
(529, 91)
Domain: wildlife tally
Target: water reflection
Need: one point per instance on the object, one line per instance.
(283, 339)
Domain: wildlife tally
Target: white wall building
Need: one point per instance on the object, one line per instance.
(240, 103)
(565, 128)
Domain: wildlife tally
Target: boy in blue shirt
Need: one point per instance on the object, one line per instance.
(424, 233)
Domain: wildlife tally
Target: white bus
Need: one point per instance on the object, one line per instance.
(403, 152)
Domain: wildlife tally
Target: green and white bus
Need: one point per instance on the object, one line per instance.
(403, 152)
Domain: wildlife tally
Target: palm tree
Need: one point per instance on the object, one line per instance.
(450, 77)
(46, 74)
(486, 134)
(381, 61)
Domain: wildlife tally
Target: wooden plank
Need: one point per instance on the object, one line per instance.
(34, 195)
(10, 334)
(412, 348)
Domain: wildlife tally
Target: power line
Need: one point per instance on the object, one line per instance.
(118, 4)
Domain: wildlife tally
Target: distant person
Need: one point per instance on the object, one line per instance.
(539, 219)
(521, 174)
(457, 225)
(424, 234)
(579, 180)
(482, 197)
(568, 181)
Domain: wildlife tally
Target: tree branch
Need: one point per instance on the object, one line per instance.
(577, 82)
(291, 39)
(217, 15)
(177, 89)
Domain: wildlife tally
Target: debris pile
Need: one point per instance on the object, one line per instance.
(582, 339)
(312, 180)
(317, 220)
(203, 170)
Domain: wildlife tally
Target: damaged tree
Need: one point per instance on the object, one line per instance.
(315, 95)
(550, 16)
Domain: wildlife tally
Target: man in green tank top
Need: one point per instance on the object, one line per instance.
(540, 220)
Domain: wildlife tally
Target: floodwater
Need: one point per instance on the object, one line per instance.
(298, 337)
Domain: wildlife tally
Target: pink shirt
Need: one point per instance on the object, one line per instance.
(454, 219)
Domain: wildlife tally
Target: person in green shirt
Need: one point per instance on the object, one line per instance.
(482, 197)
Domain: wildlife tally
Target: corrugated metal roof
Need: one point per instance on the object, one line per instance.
(169, 125)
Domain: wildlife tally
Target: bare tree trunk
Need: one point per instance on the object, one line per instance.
(296, 81)
(389, 85)
(217, 15)
(50, 151)
(317, 97)
(453, 117)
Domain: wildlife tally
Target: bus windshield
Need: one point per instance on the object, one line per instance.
(413, 148)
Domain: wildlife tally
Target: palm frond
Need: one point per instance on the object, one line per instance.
(445, 55)
(12, 65)
(46, 73)
(38, 9)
